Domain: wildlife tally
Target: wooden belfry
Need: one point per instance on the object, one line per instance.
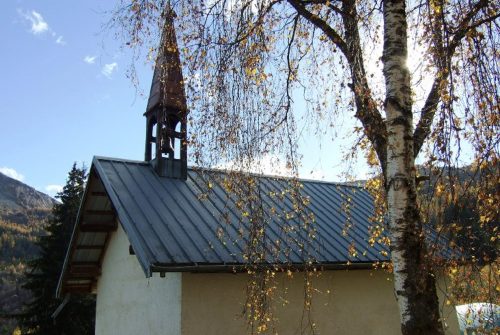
(167, 109)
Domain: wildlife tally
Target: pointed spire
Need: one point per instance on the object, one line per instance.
(167, 88)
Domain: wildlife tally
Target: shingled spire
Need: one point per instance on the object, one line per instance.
(167, 108)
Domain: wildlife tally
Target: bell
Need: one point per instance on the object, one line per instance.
(167, 147)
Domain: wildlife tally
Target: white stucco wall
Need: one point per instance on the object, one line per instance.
(130, 303)
(359, 302)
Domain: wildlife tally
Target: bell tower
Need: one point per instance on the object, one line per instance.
(166, 113)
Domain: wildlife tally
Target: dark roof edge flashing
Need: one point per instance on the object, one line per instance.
(241, 268)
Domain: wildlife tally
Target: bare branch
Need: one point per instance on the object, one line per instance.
(327, 3)
(290, 77)
(242, 35)
(423, 128)
(322, 25)
(366, 110)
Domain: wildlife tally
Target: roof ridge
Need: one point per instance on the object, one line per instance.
(255, 174)
(338, 183)
(124, 160)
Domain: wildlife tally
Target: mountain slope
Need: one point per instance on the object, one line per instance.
(15, 195)
(23, 212)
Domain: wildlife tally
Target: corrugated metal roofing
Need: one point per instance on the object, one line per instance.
(197, 222)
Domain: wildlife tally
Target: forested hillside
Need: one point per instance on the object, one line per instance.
(23, 212)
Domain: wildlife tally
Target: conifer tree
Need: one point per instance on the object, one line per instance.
(77, 316)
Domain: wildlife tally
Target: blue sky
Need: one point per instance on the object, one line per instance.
(65, 96)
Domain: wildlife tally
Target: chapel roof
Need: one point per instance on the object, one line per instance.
(198, 225)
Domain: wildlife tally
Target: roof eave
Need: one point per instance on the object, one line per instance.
(71, 243)
(240, 268)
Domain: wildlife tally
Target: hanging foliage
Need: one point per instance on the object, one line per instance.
(261, 74)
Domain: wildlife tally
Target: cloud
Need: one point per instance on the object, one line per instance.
(89, 59)
(60, 40)
(38, 24)
(53, 189)
(11, 173)
(108, 69)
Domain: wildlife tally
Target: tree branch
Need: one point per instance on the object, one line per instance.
(366, 110)
(242, 35)
(327, 3)
(423, 128)
(322, 25)
(289, 79)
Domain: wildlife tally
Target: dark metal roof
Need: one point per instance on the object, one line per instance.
(195, 222)
(199, 224)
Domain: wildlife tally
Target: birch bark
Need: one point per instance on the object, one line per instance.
(414, 283)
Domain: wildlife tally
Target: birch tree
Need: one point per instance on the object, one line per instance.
(247, 61)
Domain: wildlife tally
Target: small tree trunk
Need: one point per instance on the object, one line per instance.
(414, 283)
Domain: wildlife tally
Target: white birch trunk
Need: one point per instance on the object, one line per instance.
(414, 284)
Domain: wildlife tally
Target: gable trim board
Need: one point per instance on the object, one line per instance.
(96, 221)
(171, 229)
